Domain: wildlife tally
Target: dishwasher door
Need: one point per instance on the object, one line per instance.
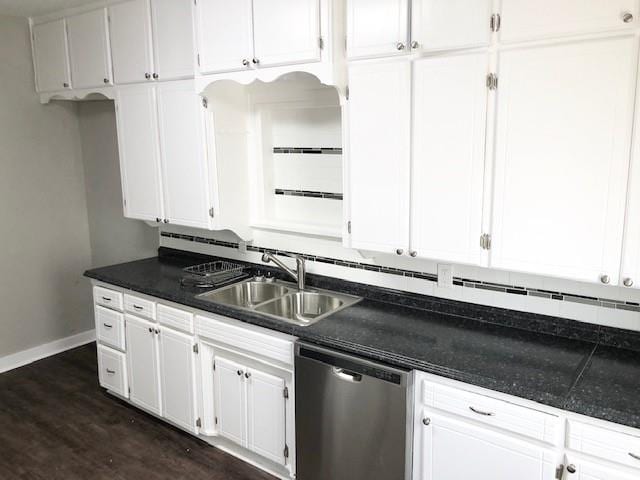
(351, 417)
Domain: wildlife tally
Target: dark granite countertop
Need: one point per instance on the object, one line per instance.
(552, 361)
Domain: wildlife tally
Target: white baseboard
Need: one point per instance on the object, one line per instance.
(30, 355)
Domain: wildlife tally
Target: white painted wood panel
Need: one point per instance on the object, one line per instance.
(112, 370)
(143, 364)
(107, 297)
(562, 154)
(183, 151)
(379, 146)
(89, 49)
(450, 110)
(130, 28)
(376, 27)
(230, 395)
(110, 327)
(141, 307)
(607, 444)
(587, 470)
(286, 31)
(51, 56)
(175, 318)
(173, 38)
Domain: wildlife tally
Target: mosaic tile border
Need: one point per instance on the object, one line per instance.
(308, 193)
(461, 282)
(308, 150)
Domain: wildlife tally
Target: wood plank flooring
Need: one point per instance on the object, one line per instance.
(57, 423)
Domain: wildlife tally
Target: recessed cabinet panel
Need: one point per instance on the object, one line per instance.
(173, 38)
(183, 152)
(51, 56)
(143, 363)
(564, 121)
(230, 394)
(136, 115)
(442, 24)
(377, 27)
(450, 107)
(89, 49)
(130, 28)
(379, 137)
(286, 31)
(524, 19)
(226, 37)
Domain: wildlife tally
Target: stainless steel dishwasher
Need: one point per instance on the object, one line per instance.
(351, 417)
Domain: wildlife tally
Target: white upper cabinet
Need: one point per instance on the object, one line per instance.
(564, 121)
(377, 27)
(51, 56)
(226, 37)
(130, 27)
(137, 123)
(524, 19)
(143, 364)
(89, 49)
(173, 39)
(444, 24)
(286, 31)
(185, 176)
(379, 163)
(450, 106)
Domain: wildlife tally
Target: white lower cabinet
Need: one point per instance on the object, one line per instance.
(143, 362)
(230, 397)
(579, 469)
(112, 370)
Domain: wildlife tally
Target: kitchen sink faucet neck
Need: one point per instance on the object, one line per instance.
(300, 273)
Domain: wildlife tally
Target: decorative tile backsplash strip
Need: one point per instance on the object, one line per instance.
(307, 150)
(461, 282)
(308, 193)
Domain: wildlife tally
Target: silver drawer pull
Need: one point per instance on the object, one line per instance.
(111, 372)
(137, 307)
(106, 299)
(634, 456)
(106, 325)
(480, 412)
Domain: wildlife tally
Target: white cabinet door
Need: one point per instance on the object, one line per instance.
(450, 107)
(230, 399)
(442, 24)
(286, 31)
(178, 378)
(524, 19)
(379, 144)
(564, 123)
(266, 419)
(183, 152)
(455, 450)
(226, 38)
(173, 38)
(136, 115)
(593, 471)
(89, 49)
(377, 27)
(143, 363)
(130, 26)
(51, 56)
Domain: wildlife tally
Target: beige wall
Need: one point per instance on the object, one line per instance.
(44, 231)
(114, 239)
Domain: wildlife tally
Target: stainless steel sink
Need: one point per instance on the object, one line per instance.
(281, 300)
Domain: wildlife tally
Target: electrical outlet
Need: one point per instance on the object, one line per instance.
(445, 276)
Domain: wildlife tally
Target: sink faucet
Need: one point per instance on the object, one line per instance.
(298, 275)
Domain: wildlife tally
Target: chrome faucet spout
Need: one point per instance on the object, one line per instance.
(300, 273)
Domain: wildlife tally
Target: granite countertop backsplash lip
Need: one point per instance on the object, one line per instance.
(553, 361)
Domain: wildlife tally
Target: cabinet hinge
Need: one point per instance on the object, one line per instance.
(198, 423)
(285, 392)
(485, 241)
(124, 201)
(559, 472)
(205, 103)
(492, 81)
(214, 365)
(196, 349)
(346, 93)
(198, 59)
(286, 451)
(129, 390)
(320, 43)
(215, 420)
(211, 212)
(496, 22)
(349, 227)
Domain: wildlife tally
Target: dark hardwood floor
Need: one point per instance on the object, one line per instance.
(57, 423)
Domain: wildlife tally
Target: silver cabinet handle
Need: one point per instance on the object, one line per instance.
(400, 46)
(150, 330)
(107, 325)
(605, 279)
(571, 468)
(245, 62)
(155, 76)
(65, 85)
(158, 220)
(426, 421)
(256, 61)
(480, 412)
(399, 251)
(111, 372)
(627, 17)
(106, 299)
(413, 253)
(247, 375)
(414, 44)
(105, 80)
(137, 307)
(157, 331)
(166, 220)
(634, 456)
(628, 282)
(147, 76)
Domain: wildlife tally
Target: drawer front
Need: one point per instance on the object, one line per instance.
(110, 327)
(112, 370)
(498, 413)
(107, 297)
(140, 306)
(175, 318)
(604, 443)
(259, 343)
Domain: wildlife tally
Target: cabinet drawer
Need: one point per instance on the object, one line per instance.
(604, 443)
(108, 298)
(112, 370)
(140, 306)
(175, 318)
(498, 413)
(110, 327)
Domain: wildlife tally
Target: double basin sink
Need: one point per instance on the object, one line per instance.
(281, 300)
